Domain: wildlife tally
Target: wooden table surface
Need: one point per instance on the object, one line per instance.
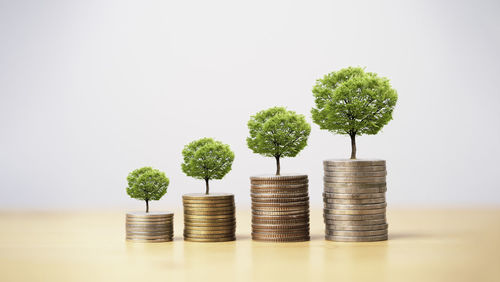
(424, 245)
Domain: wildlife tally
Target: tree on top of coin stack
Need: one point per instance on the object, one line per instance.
(353, 102)
(207, 159)
(147, 184)
(277, 132)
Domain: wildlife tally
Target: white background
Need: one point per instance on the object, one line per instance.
(90, 90)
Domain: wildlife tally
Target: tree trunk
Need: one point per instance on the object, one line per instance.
(206, 186)
(277, 165)
(353, 146)
(147, 205)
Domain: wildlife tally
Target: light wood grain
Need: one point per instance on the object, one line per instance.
(424, 245)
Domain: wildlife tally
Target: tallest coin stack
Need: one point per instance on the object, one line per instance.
(354, 199)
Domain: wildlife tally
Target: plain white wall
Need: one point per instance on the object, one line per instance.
(90, 90)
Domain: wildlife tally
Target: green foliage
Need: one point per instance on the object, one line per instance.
(278, 133)
(352, 101)
(207, 159)
(147, 184)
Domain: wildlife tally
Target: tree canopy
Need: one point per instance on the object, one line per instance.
(277, 132)
(353, 102)
(207, 159)
(147, 184)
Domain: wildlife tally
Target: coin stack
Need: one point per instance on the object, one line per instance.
(209, 217)
(280, 208)
(354, 199)
(149, 227)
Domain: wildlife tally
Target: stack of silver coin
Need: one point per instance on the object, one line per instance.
(149, 227)
(354, 200)
(280, 208)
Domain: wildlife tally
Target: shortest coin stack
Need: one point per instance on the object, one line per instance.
(354, 199)
(280, 208)
(209, 217)
(149, 227)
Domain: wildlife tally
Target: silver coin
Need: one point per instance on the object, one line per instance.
(355, 179)
(352, 185)
(354, 217)
(355, 162)
(354, 212)
(150, 214)
(355, 207)
(354, 201)
(357, 227)
(354, 168)
(356, 239)
(353, 174)
(337, 222)
(355, 190)
(353, 195)
(356, 233)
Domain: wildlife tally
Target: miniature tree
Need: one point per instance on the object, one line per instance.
(207, 159)
(353, 102)
(278, 133)
(147, 184)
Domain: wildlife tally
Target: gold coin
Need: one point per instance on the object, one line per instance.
(353, 195)
(302, 220)
(209, 236)
(208, 206)
(356, 239)
(279, 191)
(194, 232)
(282, 204)
(280, 226)
(279, 200)
(282, 177)
(355, 162)
(135, 240)
(279, 213)
(208, 211)
(354, 216)
(209, 222)
(290, 236)
(355, 201)
(279, 186)
(135, 236)
(209, 239)
(355, 207)
(282, 240)
(357, 227)
(354, 212)
(280, 182)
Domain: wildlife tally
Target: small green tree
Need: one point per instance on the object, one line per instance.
(147, 184)
(278, 133)
(207, 159)
(353, 102)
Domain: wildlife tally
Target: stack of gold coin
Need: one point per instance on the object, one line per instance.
(149, 227)
(354, 199)
(280, 208)
(209, 217)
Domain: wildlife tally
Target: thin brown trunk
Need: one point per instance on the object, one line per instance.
(353, 146)
(277, 165)
(206, 186)
(147, 205)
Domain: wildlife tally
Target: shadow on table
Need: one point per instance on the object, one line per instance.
(407, 235)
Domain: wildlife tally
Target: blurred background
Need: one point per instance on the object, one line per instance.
(90, 90)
